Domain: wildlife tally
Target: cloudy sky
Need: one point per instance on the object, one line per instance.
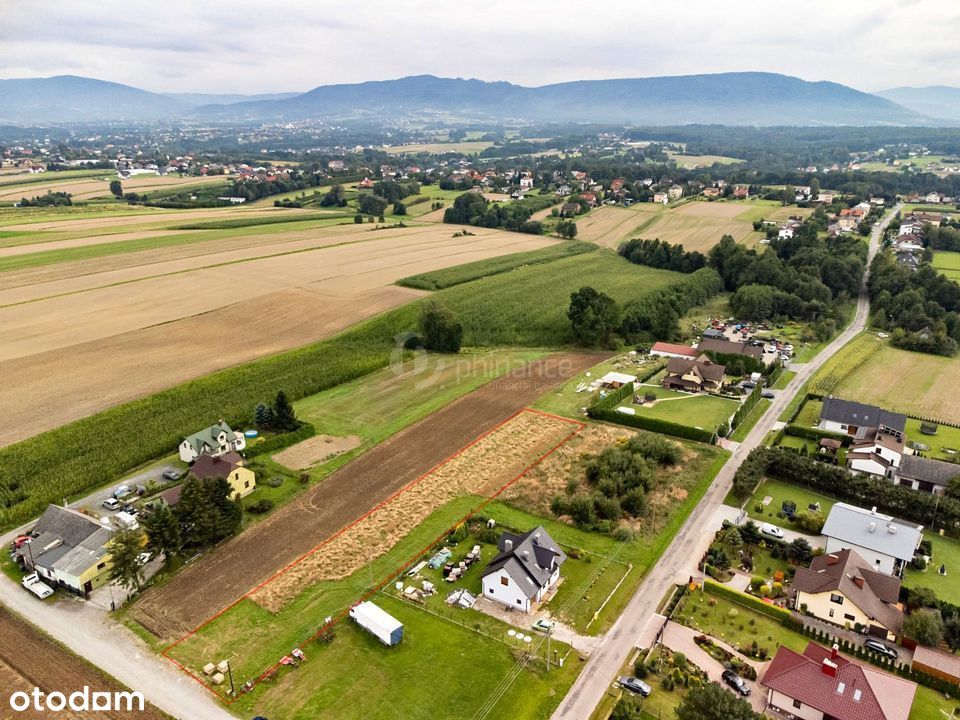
(283, 45)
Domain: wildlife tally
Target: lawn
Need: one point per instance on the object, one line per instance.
(809, 414)
(928, 704)
(702, 411)
(746, 425)
(780, 491)
(785, 377)
(947, 437)
(871, 371)
(947, 552)
(948, 263)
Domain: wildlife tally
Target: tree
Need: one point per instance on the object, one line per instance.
(163, 532)
(566, 229)
(371, 204)
(284, 416)
(263, 416)
(925, 626)
(207, 512)
(399, 208)
(116, 188)
(800, 551)
(750, 532)
(125, 548)
(712, 702)
(439, 328)
(594, 316)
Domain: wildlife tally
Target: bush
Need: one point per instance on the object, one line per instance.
(260, 507)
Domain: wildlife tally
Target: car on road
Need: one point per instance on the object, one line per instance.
(112, 503)
(880, 648)
(635, 685)
(543, 625)
(170, 475)
(736, 682)
(769, 394)
(771, 531)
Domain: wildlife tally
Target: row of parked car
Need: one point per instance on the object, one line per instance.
(639, 687)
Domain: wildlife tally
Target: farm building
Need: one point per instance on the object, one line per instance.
(887, 544)
(728, 347)
(694, 375)
(525, 570)
(615, 380)
(842, 588)
(938, 663)
(672, 350)
(820, 684)
(228, 466)
(70, 550)
(214, 440)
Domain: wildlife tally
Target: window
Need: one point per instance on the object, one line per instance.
(505, 581)
(848, 616)
(491, 591)
(518, 602)
(835, 598)
(101, 566)
(831, 612)
(797, 704)
(246, 484)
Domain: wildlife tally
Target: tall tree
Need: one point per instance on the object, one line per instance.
(925, 626)
(163, 532)
(125, 548)
(284, 416)
(263, 416)
(439, 328)
(594, 317)
(116, 188)
(712, 702)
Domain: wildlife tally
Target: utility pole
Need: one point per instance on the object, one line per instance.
(549, 633)
(233, 691)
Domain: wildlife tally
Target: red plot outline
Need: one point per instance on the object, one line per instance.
(413, 559)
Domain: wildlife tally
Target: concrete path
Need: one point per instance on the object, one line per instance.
(584, 644)
(678, 561)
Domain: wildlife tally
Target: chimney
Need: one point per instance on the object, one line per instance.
(834, 652)
(829, 668)
(508, 545)
(873, 527)
(859, 582)
(892, 529)
(526, 554)
(873, 510)
(832, 559)
(536, 539)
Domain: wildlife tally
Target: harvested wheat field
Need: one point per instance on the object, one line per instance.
(234, 569)
(313, 450)
(481, 469)
(87, 189)
(118, 335)
(712, 209)
(701, 232)
(30, 659)
(609, 226)
(138, 215)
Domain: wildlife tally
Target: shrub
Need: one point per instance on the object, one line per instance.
(260, 507)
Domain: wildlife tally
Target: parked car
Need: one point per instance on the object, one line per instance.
(771, 531)
(769, 394)
(38, 587)
(111, 503)
(736, 682)
(122, 491)
(880, 648)
(543, 625)
(635, 685)
(170, 475)
(748, 385)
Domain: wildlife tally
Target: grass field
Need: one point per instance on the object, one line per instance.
(948, 263)
(736, 624)
(947, 438)
(699, 161)
(746, 425)
(871, 371)
(781, 491)
(946, 551)
(700, 411)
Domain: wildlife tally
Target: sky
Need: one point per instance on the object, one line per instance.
(294, 45)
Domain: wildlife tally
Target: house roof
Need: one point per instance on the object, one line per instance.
(875, 593)
(946, 663)
(852, 692)
(937, 472)
(207, 466)
(713, 333)
(728, 347)
(848, 412)
(74, 541)
(208, 436)
(529, 559)
(707, 370)
(674, 348)
(869, 529)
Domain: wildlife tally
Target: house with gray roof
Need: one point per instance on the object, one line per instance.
(858, 420)
(69, 550)
(215, 441)
(525, 570)
(926, 475)
(887, 544)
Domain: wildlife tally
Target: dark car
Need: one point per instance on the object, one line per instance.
(736, 682)
(768, 394)
(879, 647)
(635, 685)
(748, 385)
(170, 475)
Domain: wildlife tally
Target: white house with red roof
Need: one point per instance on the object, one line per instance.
(821, 685)
(673, 350)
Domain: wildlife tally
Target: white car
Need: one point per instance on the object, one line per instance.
(771, 531)
(111, 504)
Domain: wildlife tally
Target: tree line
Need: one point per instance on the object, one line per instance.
(474, 209)
(661, 254)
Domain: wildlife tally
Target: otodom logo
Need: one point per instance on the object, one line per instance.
(83, 700)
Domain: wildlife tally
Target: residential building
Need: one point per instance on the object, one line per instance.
(661, 197)
(569, 210)
(694, 375)
(69, 550)
(214, 440)
(741, 192)
(714, 334)
(887, 544)
(841, 588)
(711, 192)
(728, 347)
(876, 451)
(925, 474)
(228, 466)
(849, 418)
(821, 685)
(673, 350)
(525, 570)
(675, 192)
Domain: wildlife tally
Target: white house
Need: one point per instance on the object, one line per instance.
(672, 350)
(886, 543)
(525, 570)
(853, 418)
(214, 441)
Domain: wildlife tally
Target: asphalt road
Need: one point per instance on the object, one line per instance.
(692, 540)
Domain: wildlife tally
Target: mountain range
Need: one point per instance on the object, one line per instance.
(750, 98)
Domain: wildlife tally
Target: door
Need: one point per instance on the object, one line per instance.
(87, 587)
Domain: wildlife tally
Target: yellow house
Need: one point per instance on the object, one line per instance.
(841, 588)
(228, 466)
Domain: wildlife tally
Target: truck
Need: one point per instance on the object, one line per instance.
(386, 628)
(38, 587)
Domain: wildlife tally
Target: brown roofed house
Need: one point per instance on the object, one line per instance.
(229, 467)
(694, 375)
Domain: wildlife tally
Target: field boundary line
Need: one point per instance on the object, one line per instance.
(579, 425)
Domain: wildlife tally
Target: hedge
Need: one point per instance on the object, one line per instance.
(748, 601)
(273, 443)
(746, 406)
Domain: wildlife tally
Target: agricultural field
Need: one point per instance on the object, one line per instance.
(438, 148)
(611, 225)
(700, 161)
(91, 188)
(30, 658)
(948, 263)
(871, 371)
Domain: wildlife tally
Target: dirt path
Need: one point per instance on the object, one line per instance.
(231, 571)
